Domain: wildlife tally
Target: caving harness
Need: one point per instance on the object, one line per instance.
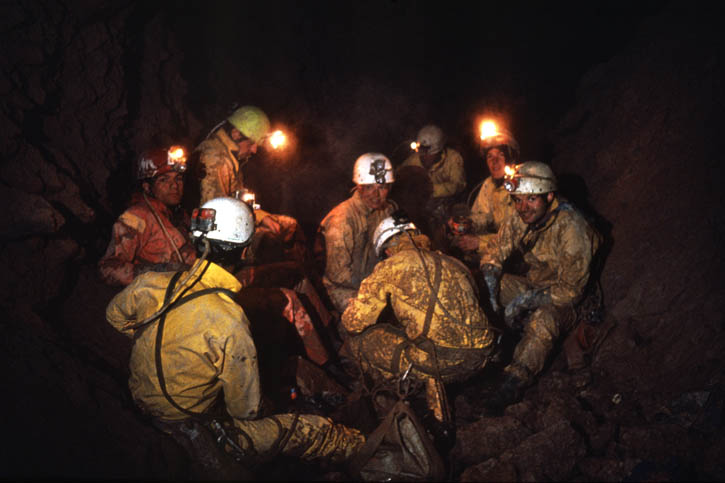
(224, 431)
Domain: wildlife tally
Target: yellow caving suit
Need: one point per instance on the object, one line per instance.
(220, 174)
(446, 337)
(558, 253)
(489, 210)
(448, 178)
(346, 237)
(207, 347)
(448, 175)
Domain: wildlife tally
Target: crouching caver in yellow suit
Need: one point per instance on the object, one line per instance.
(557, 244)
(184, 356)
(442, 331)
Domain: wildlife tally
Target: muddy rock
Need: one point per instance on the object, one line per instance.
(488, 438)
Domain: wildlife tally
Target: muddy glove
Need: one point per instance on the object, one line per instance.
(492, 277)
(523, 303)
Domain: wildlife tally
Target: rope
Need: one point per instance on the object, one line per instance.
(163, 228)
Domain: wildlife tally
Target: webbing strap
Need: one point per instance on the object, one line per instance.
(160, 335)
(433, 298)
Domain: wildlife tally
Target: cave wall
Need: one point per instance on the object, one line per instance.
(645, 138)
(82, 93)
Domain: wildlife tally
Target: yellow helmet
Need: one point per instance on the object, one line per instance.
(250, 121)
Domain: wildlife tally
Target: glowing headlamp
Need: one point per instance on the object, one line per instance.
(202, 219)
(176, 158)
(488, 129)
(277, 139)
(247, 197)
(414, 146)
(511, 178)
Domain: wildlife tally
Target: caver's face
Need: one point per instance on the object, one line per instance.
(532, 208)
(168, 188)
(247, 147)
(496, 161)
(374, 195)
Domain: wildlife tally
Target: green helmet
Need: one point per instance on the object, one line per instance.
(250, 121)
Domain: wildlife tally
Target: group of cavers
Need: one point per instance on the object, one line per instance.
(379, 304)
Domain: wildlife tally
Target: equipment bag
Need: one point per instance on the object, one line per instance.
(399, 449)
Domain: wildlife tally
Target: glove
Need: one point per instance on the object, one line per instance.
(492, 277)
(529, 300)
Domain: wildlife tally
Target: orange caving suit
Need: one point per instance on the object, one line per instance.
(207, 347)
(446, 336)
(345, 241)
(558, 253)
(137, 240)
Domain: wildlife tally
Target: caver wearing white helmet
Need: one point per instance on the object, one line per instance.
(344, 246)
(228, 225)
(395, 224)
(445, 169)
(531, 177)
(373, 175)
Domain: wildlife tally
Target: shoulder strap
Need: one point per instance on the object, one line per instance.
(433, 297)
(160, 335)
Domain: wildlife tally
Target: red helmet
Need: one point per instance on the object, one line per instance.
(160, 161)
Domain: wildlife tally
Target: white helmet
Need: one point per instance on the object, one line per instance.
(223, 219)
(371, 168)
(531, 177)
(430, 139)
(389, 227)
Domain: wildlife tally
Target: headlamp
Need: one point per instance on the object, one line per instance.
(176, 158)
(202, 219)
(511, 178)
(377, 169)
(247, 197)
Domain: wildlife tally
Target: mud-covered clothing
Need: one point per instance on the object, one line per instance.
(446, 321)
(219, 173)
(440, 329)
(557, 253)
(219, 170)
(345, 237)
(206, 347)
(138, 240)
(447, 175)
(491, 207)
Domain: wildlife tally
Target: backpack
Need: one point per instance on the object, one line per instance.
(398, 449)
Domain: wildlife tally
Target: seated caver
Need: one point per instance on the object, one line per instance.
(344, 243)
(151, 235)
(493, 203)
(440, 334)
(558, 245)
(216, 170)
(192, 343)
(445, 168)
